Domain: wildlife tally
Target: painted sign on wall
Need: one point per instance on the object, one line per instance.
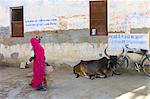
(42, 23)
(117, 41)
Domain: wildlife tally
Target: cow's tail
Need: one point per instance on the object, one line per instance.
(75, 71)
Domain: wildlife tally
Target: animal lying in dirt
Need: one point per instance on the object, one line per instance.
(98, 68)
(93, 68)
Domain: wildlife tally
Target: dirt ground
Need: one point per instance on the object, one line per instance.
(14, 84)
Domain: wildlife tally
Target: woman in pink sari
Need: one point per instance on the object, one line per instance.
(38, 81)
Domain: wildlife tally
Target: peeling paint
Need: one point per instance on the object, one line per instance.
(57, 51)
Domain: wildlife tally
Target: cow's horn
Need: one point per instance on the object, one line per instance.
(106, 52)
(121, 52)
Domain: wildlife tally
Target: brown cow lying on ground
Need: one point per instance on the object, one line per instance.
(96, 68)
(93, 68)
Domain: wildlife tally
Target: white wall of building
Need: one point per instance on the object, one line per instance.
(126, 14)
(74, 14)
(48, 14)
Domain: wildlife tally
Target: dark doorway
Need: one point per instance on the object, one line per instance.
(98, 17)
(17, 27)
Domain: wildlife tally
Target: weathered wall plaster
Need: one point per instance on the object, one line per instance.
(68, 37)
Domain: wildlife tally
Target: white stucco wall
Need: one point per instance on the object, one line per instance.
(70, 53)
(48, 14)
(74, 14)
(71, 14)
(126, 14)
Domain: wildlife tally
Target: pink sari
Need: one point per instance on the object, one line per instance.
(38, 65)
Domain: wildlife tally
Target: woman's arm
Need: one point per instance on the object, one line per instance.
(31, 59)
